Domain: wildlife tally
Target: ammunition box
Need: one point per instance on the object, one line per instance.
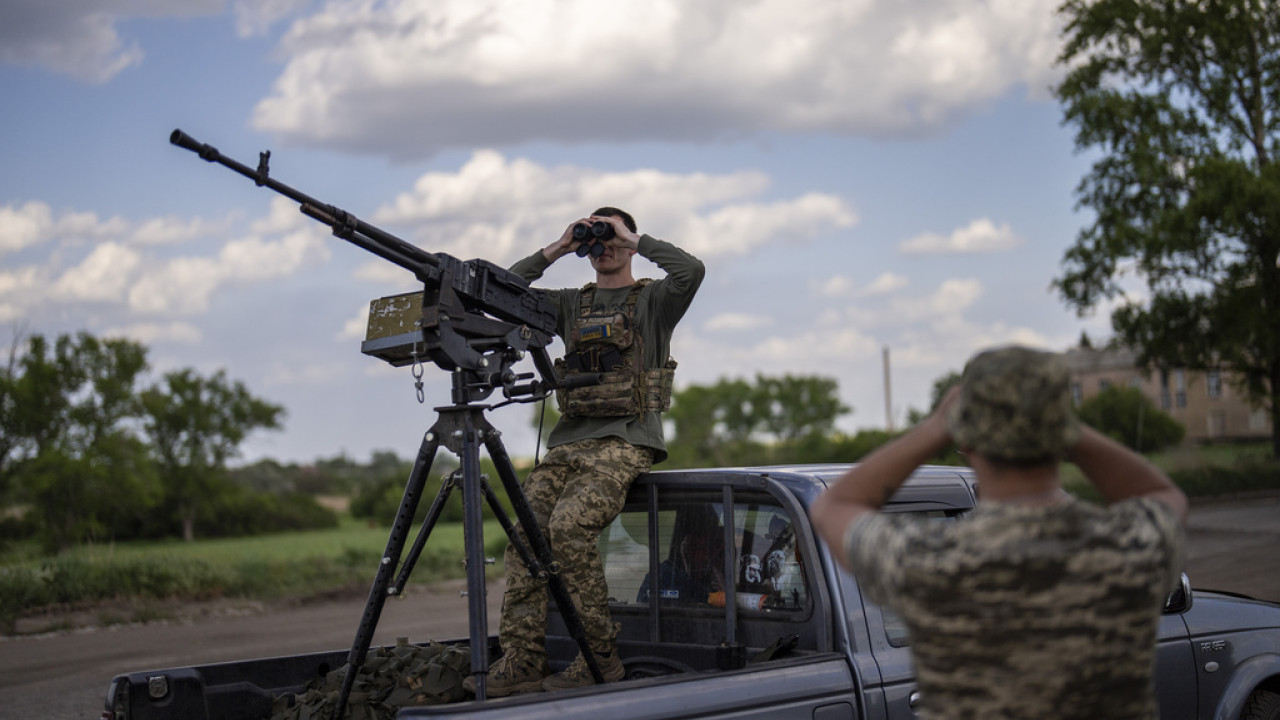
(395, 327)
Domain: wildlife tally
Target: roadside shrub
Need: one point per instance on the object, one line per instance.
(1213, 480)
(1129, 417)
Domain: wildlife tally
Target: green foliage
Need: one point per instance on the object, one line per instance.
(735, 422)
(941, 386)
(1180, 103)
(87, 455)
(378, 501)
(68, 447)
(1129, 417)
(195, 425)
(1201, 471)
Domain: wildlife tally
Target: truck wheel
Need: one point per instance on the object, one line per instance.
(1262, 705)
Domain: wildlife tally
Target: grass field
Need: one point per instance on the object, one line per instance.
(264, 567)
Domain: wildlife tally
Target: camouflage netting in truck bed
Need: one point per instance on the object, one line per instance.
(390, 678)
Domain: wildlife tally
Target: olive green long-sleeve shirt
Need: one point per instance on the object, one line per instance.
(660, 306)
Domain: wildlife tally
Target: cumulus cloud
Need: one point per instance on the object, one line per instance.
(33, 223)
(979, 236)
(256, 17)
(103, 276)
(79, 37)
(174, 231)
(737, 321)
(407, 78)
(20, 227)
(185, 285)
(149, 333)
(842, 286)
(885, 283)
(492, 205)
(122, 266)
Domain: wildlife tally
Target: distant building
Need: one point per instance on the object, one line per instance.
(1204, 402)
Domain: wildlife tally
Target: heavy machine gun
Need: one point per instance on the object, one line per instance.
(474, 320)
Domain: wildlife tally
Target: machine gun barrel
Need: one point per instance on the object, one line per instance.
(345, 225)
(449, 323)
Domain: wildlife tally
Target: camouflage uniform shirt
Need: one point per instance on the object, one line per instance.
(1027, 612)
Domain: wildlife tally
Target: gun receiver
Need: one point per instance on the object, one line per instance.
(451, 326)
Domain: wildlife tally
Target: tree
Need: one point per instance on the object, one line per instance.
(726, 423)
(196, 424)
(1129, 417)
(69, 441)
(793, 407)
(1180, 99)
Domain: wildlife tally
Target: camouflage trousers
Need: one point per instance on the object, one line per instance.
(575, 492)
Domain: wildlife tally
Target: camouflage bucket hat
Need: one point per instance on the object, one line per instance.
(1015, 404)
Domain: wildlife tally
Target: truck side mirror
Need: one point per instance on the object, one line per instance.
(1179, 601)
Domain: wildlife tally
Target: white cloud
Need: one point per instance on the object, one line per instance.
(356, 327)
(152, 333)
(79, 37)
(20, 227)
(835, 286)
(181, 286)
(492, 205)
(255, 17)
(841, 286)
(185, 285)
(979, 236)
(174, 231)
(21, 281)
(884, 284)
(737, 321)
(103, 276)
(407, 78)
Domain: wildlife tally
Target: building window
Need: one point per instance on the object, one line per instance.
(1166, 400)
(1180, 384)
(1104, 385)
(1135, 383)
(1213, 383)
(1077, 393)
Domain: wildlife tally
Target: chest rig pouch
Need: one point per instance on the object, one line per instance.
(609, 343)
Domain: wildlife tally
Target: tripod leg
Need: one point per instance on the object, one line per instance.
(542, 549)
(395, 545)
(473, 539)
(429, 523)
(526, 555)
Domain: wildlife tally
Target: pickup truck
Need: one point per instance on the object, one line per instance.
(790, 637)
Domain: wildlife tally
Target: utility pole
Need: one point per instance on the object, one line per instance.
(888, 395)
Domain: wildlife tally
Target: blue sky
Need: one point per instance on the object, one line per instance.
(857, 175)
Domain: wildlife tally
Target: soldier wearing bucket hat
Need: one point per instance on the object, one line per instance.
(1006, 605)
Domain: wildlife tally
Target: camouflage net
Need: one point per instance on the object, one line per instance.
(390, 678)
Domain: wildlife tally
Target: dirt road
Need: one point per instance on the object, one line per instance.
(1232, 546)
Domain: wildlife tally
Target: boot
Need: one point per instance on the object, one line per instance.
(579, 675)
(514, 672)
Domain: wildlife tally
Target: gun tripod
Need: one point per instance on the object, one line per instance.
(462, 429)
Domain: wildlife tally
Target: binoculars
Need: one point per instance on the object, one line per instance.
(592, 237)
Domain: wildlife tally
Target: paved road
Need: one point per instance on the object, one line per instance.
(1232, 546)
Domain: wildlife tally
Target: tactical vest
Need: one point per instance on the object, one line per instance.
(610, 344)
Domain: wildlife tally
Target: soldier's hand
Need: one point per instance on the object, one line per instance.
(566, 244)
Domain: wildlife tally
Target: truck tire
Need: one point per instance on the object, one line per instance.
(1262, 705)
